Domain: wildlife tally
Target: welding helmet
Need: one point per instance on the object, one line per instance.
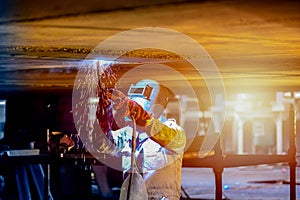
(151, 95)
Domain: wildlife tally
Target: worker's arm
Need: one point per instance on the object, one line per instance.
(167, 134)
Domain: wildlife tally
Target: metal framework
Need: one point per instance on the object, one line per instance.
(218, 161)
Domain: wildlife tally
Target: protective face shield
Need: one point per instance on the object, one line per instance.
(152, 96)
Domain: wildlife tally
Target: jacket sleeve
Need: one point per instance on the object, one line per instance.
(167, 134)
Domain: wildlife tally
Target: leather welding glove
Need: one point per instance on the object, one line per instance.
(126, 107)
(104, 113)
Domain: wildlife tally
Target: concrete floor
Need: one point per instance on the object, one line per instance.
(239, 183)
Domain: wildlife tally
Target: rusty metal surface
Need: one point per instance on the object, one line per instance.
(254, 44)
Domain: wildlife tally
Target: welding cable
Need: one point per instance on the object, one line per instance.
(133, 143)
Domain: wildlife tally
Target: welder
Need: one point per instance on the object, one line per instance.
(159, 142)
